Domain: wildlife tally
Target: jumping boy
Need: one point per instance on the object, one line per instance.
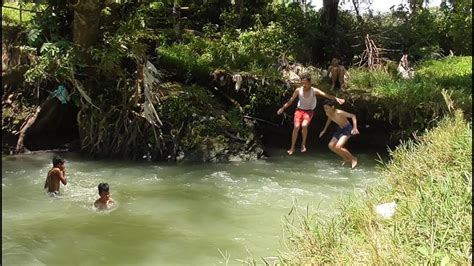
(304, 111)
(55, 175)
(105, 201)
(342, 135)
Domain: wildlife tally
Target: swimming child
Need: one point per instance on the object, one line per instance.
(55, 175)
(342, 135)
(105, 201)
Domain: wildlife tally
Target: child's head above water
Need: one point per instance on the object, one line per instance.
(103, 187)
(58, 160)
(104, 191)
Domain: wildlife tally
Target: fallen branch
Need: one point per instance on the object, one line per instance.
(259, 119)
(20, 147)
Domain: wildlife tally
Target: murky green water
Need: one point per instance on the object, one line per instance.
(167, 214)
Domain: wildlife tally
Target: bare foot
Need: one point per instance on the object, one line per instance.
(290, 151)
(354, 163)
(303, 149)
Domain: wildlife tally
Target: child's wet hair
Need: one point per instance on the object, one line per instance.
(103, 187)
(58, 160)
(329, 102)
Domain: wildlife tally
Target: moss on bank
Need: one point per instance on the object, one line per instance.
(431, 180)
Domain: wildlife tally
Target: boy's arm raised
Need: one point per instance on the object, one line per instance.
(331, 97)
(293, 97)
(61, 176)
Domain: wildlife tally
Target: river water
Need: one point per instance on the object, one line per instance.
(167, 214)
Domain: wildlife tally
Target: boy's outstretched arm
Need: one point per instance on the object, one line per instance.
(287, 104)
(331, 97)
(325, 127)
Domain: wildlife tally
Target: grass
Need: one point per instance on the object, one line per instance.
(451, 72)
(430, 179)
(412, 103)
(13, 15)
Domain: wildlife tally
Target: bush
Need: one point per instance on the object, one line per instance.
(413, 103)
(452, 72)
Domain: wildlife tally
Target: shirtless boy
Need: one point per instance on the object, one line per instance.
(342, 135)
(304, 111)
(55, 175)
(105, 201)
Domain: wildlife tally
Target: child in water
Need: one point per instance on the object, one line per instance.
(55, 176)
(342, 135)
(105, 201)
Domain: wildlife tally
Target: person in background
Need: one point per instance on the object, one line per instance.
(336, 73)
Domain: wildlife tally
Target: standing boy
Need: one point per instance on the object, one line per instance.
(55, 175)
(304, 111)
(342, 135)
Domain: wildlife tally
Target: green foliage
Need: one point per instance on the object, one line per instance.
(186, 106)
(10, 15)
(456, 24)
(413, 103)
(451, 72)
(183, 63)
(55, 62)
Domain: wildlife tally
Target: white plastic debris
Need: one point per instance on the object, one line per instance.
(386, 210)
(238, 81)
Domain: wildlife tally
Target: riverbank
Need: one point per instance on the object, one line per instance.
(430, 179)
(221, 124)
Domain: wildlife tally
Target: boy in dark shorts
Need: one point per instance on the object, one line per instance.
(342, 135)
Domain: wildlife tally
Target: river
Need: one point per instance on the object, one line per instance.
(167, 214)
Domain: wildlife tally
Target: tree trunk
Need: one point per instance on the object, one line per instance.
(86, 22)
(415, 5)
(330, 12)
(239, 10)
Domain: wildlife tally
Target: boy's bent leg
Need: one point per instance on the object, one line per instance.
(334, 76)
(342, 72)
(332, 147)
(340, 146)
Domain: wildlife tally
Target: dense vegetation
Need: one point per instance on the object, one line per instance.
(430, 180)
(146, 75)
(153, 80)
